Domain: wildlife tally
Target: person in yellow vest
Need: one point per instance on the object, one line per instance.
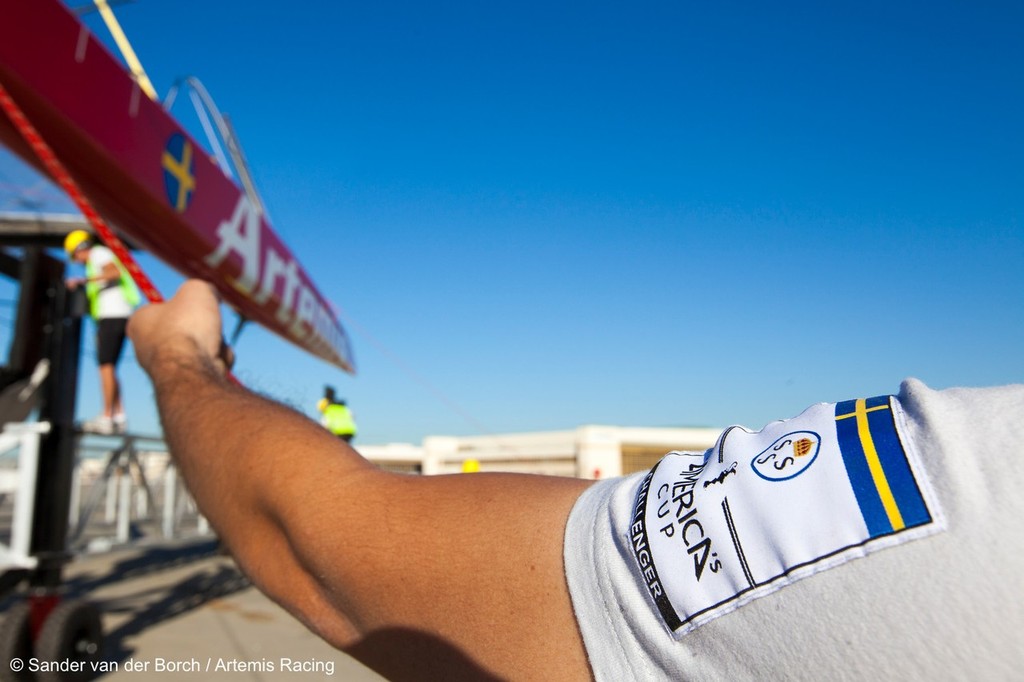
(337, 417)
(112, 297)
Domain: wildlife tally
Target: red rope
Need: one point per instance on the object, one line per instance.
(56, 170)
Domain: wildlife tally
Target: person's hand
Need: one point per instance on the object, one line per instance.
(74, 282)
(185, 328)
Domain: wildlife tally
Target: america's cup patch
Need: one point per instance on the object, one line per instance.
(712, 531)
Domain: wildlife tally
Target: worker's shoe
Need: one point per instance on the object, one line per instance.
(120, 423)
(101, 424)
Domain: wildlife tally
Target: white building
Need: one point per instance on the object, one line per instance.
(587, 452)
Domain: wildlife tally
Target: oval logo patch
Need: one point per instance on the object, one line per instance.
(787, 457)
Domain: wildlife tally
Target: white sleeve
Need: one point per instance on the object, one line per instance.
(940, 598)
(100, 256)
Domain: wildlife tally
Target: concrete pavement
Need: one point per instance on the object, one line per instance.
(185, 612)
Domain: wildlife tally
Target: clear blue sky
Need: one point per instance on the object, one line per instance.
(540, 215)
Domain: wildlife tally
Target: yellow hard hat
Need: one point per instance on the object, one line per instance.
(75, 240)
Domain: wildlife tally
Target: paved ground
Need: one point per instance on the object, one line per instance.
(189, 607)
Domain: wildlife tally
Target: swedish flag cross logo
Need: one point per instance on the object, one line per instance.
(179, 171)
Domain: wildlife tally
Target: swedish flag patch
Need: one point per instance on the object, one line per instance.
(888, 494)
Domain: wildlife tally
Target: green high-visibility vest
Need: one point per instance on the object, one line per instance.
(338, 420)
(92, 289)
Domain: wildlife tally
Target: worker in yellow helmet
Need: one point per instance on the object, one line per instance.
(112, 297)
(336, 416)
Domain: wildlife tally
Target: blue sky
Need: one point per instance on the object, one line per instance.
(540, 215)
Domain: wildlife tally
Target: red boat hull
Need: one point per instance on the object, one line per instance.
(146, 175)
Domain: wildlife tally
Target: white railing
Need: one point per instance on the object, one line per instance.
(125, 489)
(142, 496)
(19, 482)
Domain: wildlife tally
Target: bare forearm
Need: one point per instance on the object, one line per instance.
(237, 450)
(238, 454)
(196, 404)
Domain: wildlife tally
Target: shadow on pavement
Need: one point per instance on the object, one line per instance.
(154, 606)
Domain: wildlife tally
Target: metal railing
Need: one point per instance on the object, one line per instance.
(125, 489)
(134, 479)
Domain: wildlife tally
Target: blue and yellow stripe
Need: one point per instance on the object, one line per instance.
(888, 494)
